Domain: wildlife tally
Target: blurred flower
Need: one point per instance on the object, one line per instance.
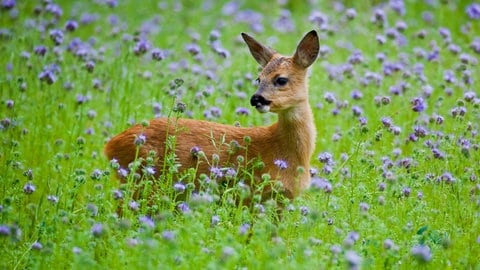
(422, 253)
(168, 235)
(56, 36)
(473, 11)
(179, 187)
(71, 25)
(8, 4)
(281, 164)
(418, 104)
(141, 47)
(353, 259)
(97, 229)
(140, 140)
(37, 245)
(134, 206)
(146, 221)
(214, 220)
(29, 188)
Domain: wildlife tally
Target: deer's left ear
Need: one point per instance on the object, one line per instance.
(307, 50)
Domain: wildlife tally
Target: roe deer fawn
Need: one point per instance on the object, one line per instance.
(289, 143)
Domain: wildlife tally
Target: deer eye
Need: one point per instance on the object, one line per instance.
(281, 81)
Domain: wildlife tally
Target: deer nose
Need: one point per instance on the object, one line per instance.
(258, 100)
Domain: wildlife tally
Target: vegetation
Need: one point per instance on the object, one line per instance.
(396, 101)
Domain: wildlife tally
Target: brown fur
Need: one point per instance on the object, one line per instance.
(291, 139)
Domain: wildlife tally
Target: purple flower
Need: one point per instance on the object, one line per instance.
(242, 111)
(214, 220)
(179, 187)
(146, 222)
(97, 229)
(56, 36)
(29, 188)
(418, 104)
(281, 164)
(134, 206)
(244, 228)
(4, 230)
(422, 253)
(216, 172)
(140, 140)
(71, 25)
(353, 259)
(473, 11)
(149, 171)
(304, 210)
(89, 66)
(8, 4)
(183, 207)
(325, 157)
(117, 194)
(141, 47)
(37, 245)
(158, 54)
(321, 184)
(351, 13)
(364, 207)
(387, 121)
(168, 235)
(53, 199)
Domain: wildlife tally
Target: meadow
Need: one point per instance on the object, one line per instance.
(395, 96)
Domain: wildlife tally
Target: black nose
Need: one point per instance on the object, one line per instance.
(258, 100)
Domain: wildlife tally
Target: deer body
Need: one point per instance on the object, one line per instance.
(282, 88)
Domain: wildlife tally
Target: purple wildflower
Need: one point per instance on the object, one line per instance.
(388, 244)
(37, 245)
(351, 13)
(179, 187)
(214, 220)
(281, 164)
(29, 188)
(56, 36)
(183, 207)
(140, 140)
(321, 184)
(325, 157)
(216, 172)
(304, 210)
(141, 47)
(473, 11)
(242, 111)
(244, 229)
(4, 230)
(97, 229)
(168, 235)
(71, 25)
(134, 206)
(158, 54)
(147, 222)
(418, 104)
(364, 207)
(422, 253)
(353, 259)
(8, 4)
(117, 194)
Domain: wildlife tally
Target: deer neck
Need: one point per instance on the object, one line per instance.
(297, 133)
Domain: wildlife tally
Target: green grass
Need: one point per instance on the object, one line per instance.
(50, 140)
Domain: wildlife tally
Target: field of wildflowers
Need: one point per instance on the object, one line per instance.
(396, 101)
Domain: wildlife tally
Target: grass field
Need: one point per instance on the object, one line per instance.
(395, 93)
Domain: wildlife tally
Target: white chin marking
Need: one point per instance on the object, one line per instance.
(263, 108)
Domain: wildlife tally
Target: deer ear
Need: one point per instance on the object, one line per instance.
(261, 53)
(307, 50)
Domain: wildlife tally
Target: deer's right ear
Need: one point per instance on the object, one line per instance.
(261, 53)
